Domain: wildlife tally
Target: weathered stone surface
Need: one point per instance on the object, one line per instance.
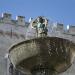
(52, 51)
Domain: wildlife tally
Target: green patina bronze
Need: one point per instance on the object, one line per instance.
(41, 27)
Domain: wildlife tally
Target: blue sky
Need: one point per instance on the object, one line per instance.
(62, 11)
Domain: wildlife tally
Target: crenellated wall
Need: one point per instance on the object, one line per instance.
(7, 18)
(11, 32)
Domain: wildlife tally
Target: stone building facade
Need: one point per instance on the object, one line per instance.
(11, 32)
(14, 31)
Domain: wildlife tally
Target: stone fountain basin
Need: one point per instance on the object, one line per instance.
(52, 51)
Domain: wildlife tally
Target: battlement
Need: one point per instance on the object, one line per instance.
(7, 18)
(71, 29)
(58, 27)
(20, 20)
(6, 15)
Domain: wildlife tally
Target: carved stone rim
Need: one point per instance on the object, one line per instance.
(27, 41)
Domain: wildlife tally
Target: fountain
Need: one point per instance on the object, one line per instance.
(43, 55)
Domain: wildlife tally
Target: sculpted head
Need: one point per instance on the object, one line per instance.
(40, 19)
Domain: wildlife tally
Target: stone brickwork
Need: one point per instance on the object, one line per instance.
(11, 32)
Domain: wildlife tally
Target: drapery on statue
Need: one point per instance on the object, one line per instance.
(40, 24)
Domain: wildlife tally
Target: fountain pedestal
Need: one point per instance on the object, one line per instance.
(44, 55)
